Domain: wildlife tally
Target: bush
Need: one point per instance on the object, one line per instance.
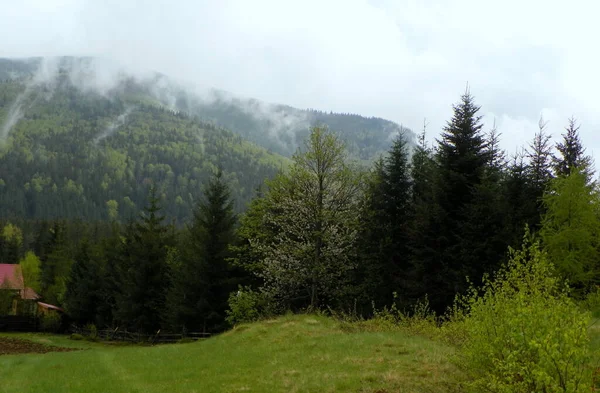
(591, 303)
(522, 331)
(93, 331)
(51, 322)
(246, 305)
(76, 337)
(420, 319)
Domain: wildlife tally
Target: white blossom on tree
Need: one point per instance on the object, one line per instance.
(315, 211)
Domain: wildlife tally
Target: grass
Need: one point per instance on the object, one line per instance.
(302, 353)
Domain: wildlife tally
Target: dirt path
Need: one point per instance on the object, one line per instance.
(12, 346)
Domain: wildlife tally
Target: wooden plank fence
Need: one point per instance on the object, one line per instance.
(125, 336)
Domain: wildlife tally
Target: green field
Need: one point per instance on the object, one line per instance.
(303, 353)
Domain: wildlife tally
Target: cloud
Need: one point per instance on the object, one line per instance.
(114, 125)
(404, 61)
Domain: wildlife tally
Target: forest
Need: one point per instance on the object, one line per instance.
(422, 223)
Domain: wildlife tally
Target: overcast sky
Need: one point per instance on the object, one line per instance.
(404, 60)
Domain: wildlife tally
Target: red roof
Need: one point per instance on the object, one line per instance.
(11, 275)
(29, 294)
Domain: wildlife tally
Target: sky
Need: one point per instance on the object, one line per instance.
(404, 60)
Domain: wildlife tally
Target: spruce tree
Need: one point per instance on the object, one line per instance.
(141, 300)
(203, 278)
(445, 230)
(539, 171)
(396, 188)
(373, 244)
(385, 223)
(112, 280)
(483, 227)
(572, 153)
(520, 202)
(422, 166)
(422, 242)
(83, 294)
(56, 266)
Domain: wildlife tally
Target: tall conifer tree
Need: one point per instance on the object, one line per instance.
(572, 153)
(142, 297)
(384, 230)
(203, 277)
(439, 255)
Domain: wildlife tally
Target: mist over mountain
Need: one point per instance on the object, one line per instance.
(70, 150)
(84, 138)
(279, 128)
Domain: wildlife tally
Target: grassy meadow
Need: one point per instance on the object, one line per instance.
(302, 353)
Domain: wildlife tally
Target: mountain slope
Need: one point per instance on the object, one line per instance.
(79, 139)
(283, 129)
(75, 154)
(279, 128)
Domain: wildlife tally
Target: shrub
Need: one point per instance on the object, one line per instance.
(523, 333)
(51, 322)
(591, 302)
(93, 330)
(246, 305)
(76, 337)
(420, 319)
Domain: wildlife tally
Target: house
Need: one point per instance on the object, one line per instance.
(11, 279)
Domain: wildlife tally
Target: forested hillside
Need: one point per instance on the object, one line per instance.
(75, 154)
(283, 129)
(279, 128)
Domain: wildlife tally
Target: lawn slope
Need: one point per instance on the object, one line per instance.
(302, 353)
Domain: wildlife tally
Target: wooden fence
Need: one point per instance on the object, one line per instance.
(18, 323)
(125, 336)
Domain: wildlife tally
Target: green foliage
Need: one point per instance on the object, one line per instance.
(591, 302)
(455, 230)
(11, 241)
(539, 168)
(56, 265)
(71, 157)
(523, 331)
(312, 212)
(572, 154)
(141, 298)
(93, 336)
(7, 298)
(247, 305)
(251, 230)
(112, 207)
(385, 218)
(83, 293)
(571, 229)
(201, 277)
(419, 319)
(50, 322)
(12, 233)
(31, 269)
(76, 337)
